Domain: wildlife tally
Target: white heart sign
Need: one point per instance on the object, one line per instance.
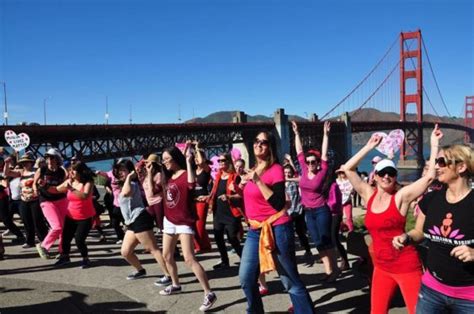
(391, 143)
(17, 141)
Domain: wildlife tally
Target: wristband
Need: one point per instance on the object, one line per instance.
(408, 240)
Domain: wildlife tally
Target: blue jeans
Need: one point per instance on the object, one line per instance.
(433, 302)
(286, 267)
(318, 221)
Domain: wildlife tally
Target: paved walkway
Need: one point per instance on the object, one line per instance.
(29, 284)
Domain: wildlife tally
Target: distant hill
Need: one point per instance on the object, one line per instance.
(369, 114)
(227, 117)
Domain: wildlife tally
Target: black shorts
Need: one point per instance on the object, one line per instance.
(144, 222)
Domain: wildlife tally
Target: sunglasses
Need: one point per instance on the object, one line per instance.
(221, 160)
(391, 172)
(311, 162)
(261, 142)
(442, 162)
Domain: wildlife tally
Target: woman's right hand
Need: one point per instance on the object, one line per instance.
(399, 242)
(374, 141)
(436, 136)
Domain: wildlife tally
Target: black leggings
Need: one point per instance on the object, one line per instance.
(300, 228)
(77, 229)
(232, 230)
(335, 227)
(116, 219)
(34, 221)
(7, 217)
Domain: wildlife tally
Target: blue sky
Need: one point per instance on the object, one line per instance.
(206, 56)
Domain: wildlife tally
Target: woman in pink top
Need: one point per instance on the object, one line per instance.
(80, 211)
(153, 191)
(264, 199)
(318, 217)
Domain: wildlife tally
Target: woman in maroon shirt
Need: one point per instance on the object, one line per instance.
(178, 184)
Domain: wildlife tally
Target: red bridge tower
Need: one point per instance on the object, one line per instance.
(469, 117)
(413, 145)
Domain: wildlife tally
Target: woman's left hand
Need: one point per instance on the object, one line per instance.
(436, 136)
(463, 253)
(327, 127)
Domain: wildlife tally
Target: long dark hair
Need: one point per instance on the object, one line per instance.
(328, 181)
(122, 163)
(273, 155)
(177, 157)
(85, 173)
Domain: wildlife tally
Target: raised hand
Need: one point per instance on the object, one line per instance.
(436, 136)
(374, 141)
(295, 126)
(327, 127)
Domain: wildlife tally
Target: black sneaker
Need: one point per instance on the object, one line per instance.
(208, 302)
(62, 261)
(86, 263)
(163, 281)
(137, 274)
(221, 265)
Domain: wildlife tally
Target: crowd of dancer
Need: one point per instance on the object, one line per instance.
(259, 209)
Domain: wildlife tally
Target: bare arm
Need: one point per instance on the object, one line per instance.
(298, 145)
(325, 144)
(10, 172)
(414, 235)
(189, 166)
(127, 185)
(360, 186)
(412, 191)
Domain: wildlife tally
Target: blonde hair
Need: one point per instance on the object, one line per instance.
(461, 153)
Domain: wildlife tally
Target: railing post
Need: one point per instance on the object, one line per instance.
(346, 119)
(283, 132)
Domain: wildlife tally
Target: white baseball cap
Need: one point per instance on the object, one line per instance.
(385, 163)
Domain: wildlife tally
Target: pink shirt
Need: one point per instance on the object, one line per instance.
(79, 209)
(153, 193)
(311, 189)
(464, 293)
(115, 187)
(256, 207)
(335, 199)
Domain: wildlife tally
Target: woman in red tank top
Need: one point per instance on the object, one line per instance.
(387, 208)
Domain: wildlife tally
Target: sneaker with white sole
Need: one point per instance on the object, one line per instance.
(42, 251)
(137, 274)
(208, 302)
(163, 281)
(170, 290)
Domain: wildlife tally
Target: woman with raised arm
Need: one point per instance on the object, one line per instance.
(314, 169)
(153, 189)
(386, 216)
(446, 221)
(202, 243)
(271, 231)
(139, 223)
(178, 185)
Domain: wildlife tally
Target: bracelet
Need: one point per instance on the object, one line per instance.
(408, 240)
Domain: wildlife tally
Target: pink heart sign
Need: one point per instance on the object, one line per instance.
(17, 141)
(390, 143)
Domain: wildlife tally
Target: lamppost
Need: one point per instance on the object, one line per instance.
(44, 108)
(5, 114)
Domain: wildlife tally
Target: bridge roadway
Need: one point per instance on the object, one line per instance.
(29, 284)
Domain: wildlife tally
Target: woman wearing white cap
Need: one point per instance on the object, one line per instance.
(386, 216)
(52, 202)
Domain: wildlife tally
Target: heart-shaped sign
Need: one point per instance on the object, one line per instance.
(390, 143)
(17, 141)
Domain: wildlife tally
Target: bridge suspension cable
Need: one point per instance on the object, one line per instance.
(434, 78)
(361, 82)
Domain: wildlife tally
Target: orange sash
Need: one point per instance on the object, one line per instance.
(266, 242)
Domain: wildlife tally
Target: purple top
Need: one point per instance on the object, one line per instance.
(335, 199)
(311, 189)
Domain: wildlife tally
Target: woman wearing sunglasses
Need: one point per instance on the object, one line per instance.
(314, 169)
(264, 198)
(446, 221)
(223, 203)
(387, 208)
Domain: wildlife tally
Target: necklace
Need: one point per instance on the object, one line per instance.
(453, 198)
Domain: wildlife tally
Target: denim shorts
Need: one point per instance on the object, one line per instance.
(318, 222)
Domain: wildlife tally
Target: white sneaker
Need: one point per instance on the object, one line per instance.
(208, 302)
